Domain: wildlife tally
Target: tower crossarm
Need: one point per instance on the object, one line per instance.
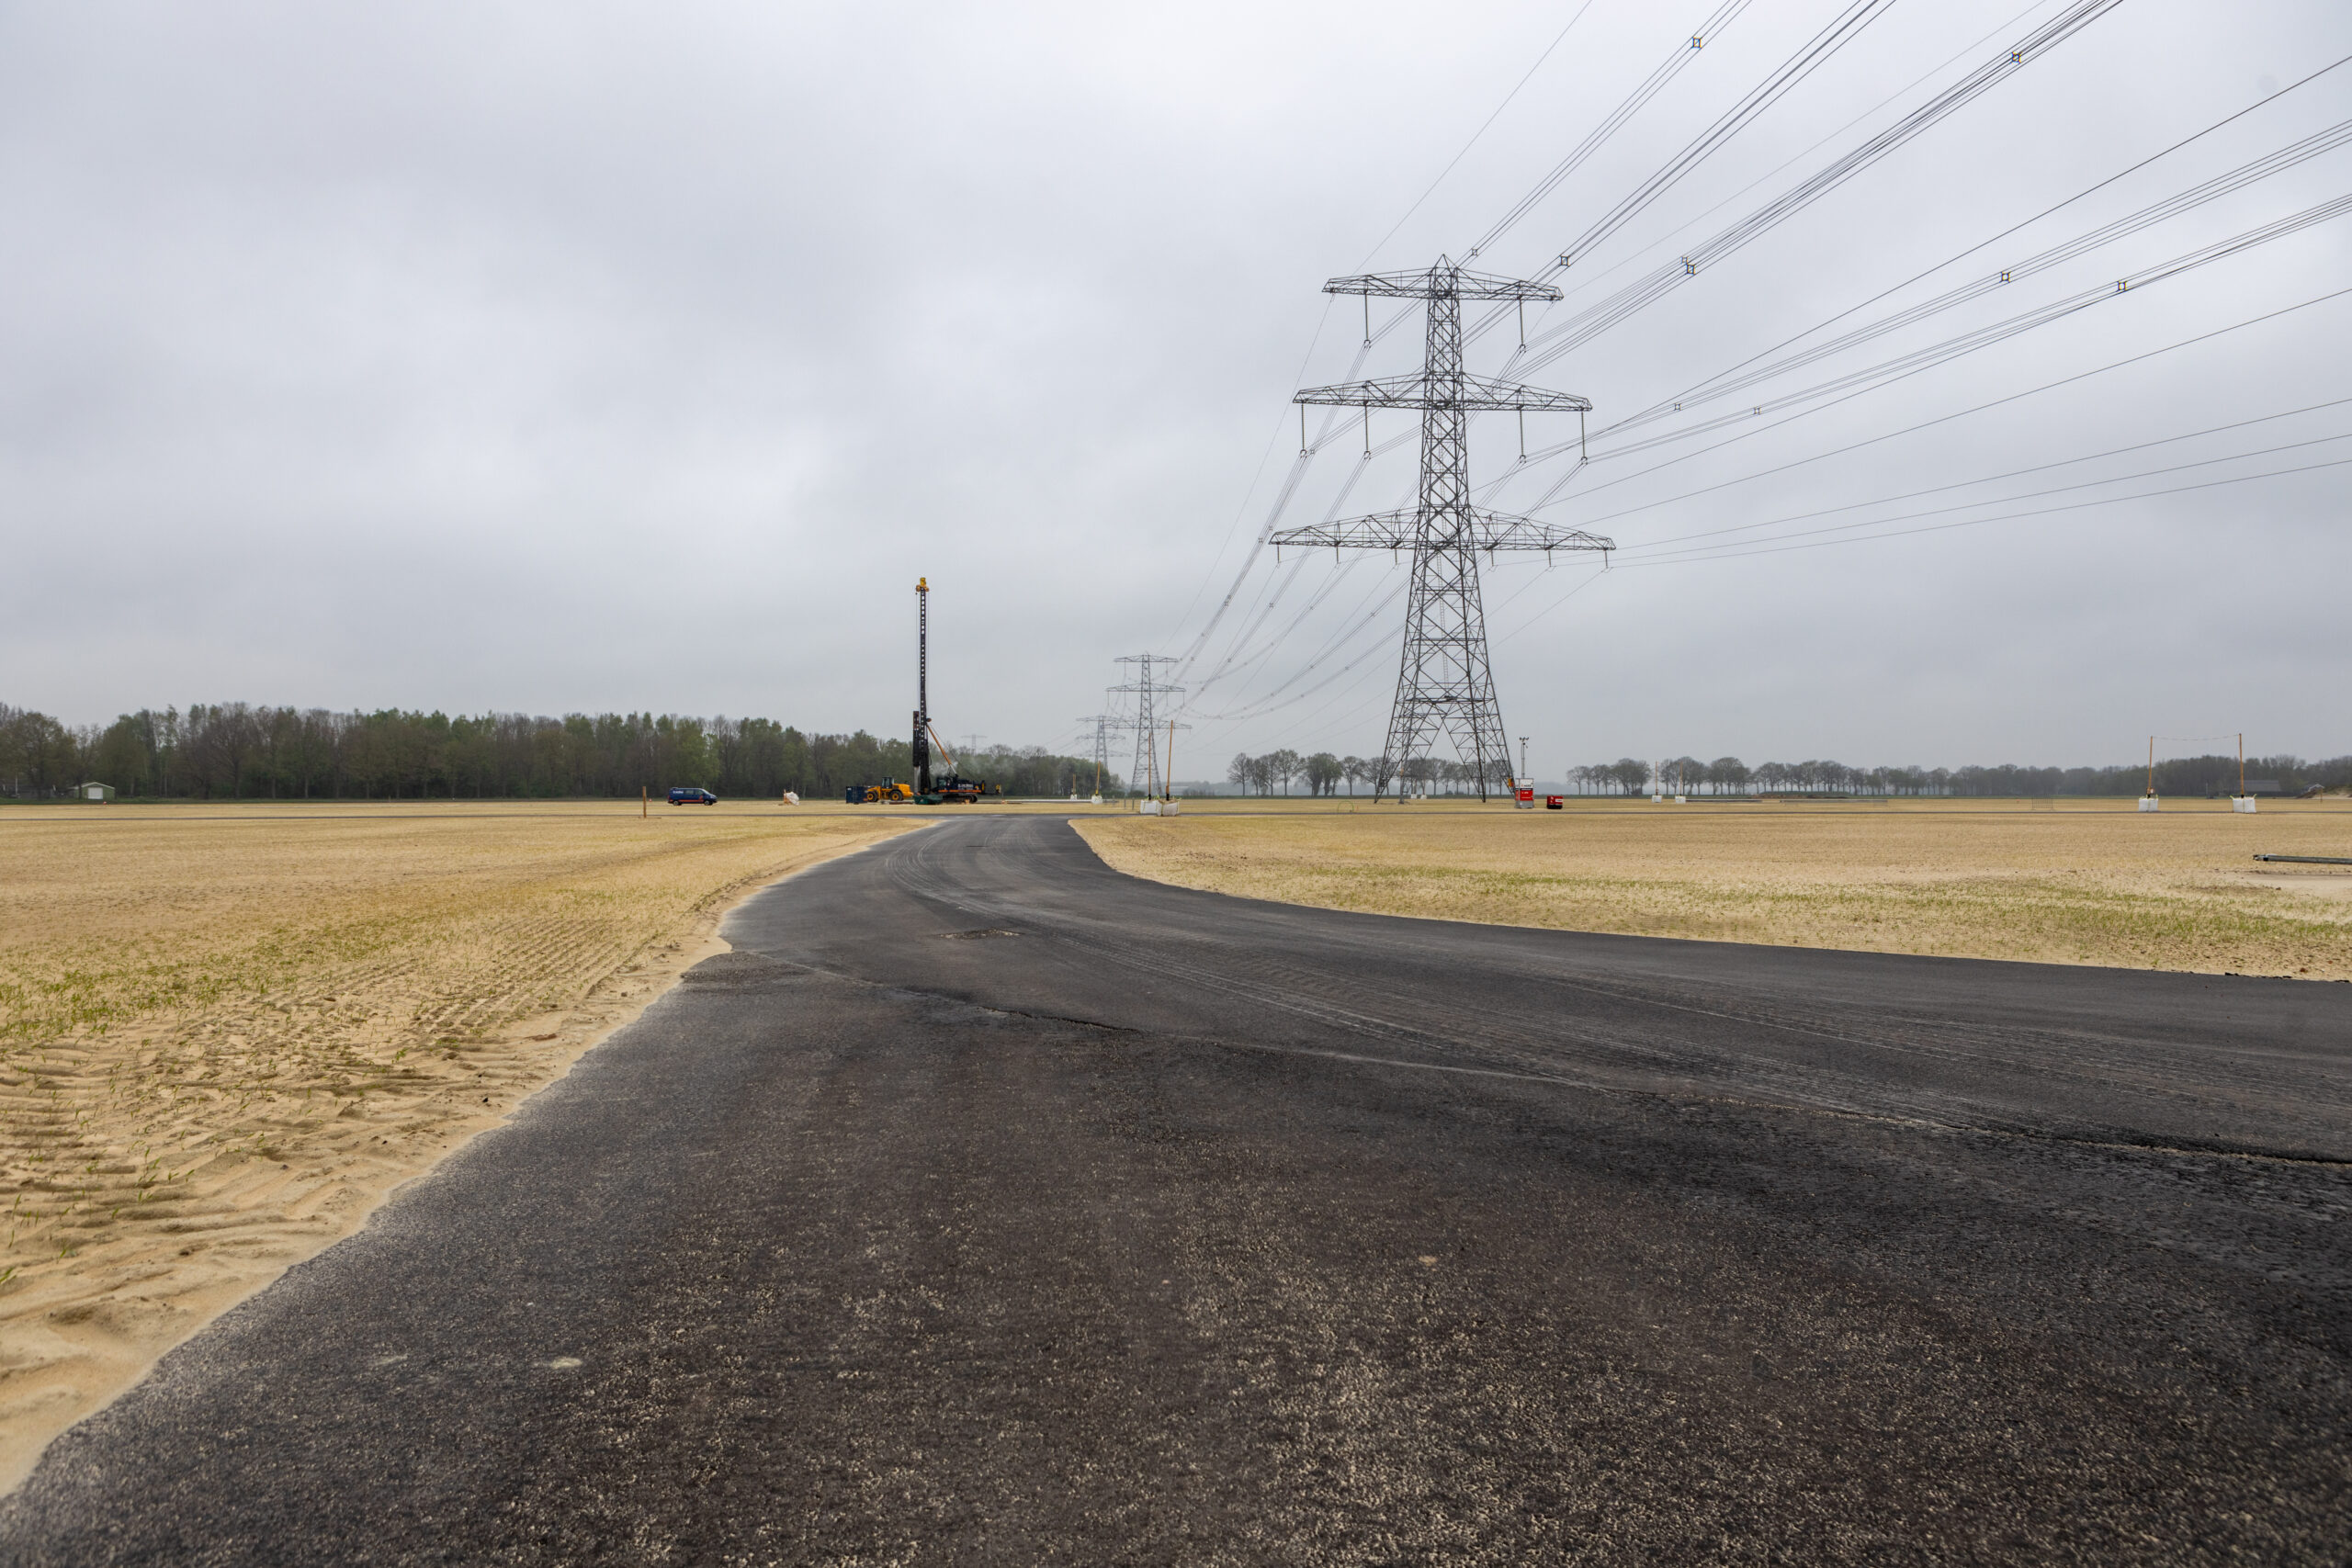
(1442, 281)
(1423, 392)
(1403, 530)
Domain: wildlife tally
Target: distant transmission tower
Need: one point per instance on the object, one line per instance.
(1104, 724)
(1446, 683)
(1145, 779)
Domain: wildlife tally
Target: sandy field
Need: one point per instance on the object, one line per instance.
(2091, 882)
(228, 1031)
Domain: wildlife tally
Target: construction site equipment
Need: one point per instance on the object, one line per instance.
(954, 789)
(950, 787)
(921, 748)
(930, 789)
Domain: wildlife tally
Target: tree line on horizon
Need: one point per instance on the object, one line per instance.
(237, 751)
(1322, 774)
(242, 751)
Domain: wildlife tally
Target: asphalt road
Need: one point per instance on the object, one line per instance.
(986, 1206)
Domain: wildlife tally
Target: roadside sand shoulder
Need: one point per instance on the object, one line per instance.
(2096, 882)
(224, 1042)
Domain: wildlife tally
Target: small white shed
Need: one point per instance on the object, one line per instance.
(94, 792)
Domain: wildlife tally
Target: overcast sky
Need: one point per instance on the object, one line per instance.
(565, 357)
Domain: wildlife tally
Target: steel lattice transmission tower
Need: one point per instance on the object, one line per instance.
(1105, 725)
(1446, 685)
(1146, 777)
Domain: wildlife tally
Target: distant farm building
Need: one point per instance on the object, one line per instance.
(94, 792)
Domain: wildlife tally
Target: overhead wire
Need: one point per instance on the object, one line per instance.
(1233, 659)
(1629, 555)
(1649, 87)
(1673, 234)
(1547, 609)
(1761, 548)
(1358, 621)
(2077, 16)
(2170, 206)
(1993, 479)
(1236, 661)
(2053, 384)
(1550, 343)
(1281, 505)
(2019, 227)
(1484, 127)
(1941, 419)
(1902, 367)
(1841, 30)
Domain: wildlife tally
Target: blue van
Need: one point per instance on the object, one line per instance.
(693, 797)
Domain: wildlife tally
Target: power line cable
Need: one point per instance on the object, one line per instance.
(1663, 548)
(1764, 550)
(1282, 498)
(1595, 319)
(1903, 367)
(1939, 418)
(1768, 550)
(1484, 127)
(2081, 244)
(1649, 88)
(2026, 223)
(1554, 605)
(1790, 71)
(1369, 620)
(1236, 662)
(1942, 419)
(1988, 478)
(1674, 234)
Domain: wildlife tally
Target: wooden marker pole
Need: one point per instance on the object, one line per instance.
(642, 792)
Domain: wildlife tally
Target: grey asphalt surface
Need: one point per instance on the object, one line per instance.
(986, 1206)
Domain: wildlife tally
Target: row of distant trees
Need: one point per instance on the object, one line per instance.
(236, 751)
(1323, 774)
(2210, 774)
(1320, 773)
